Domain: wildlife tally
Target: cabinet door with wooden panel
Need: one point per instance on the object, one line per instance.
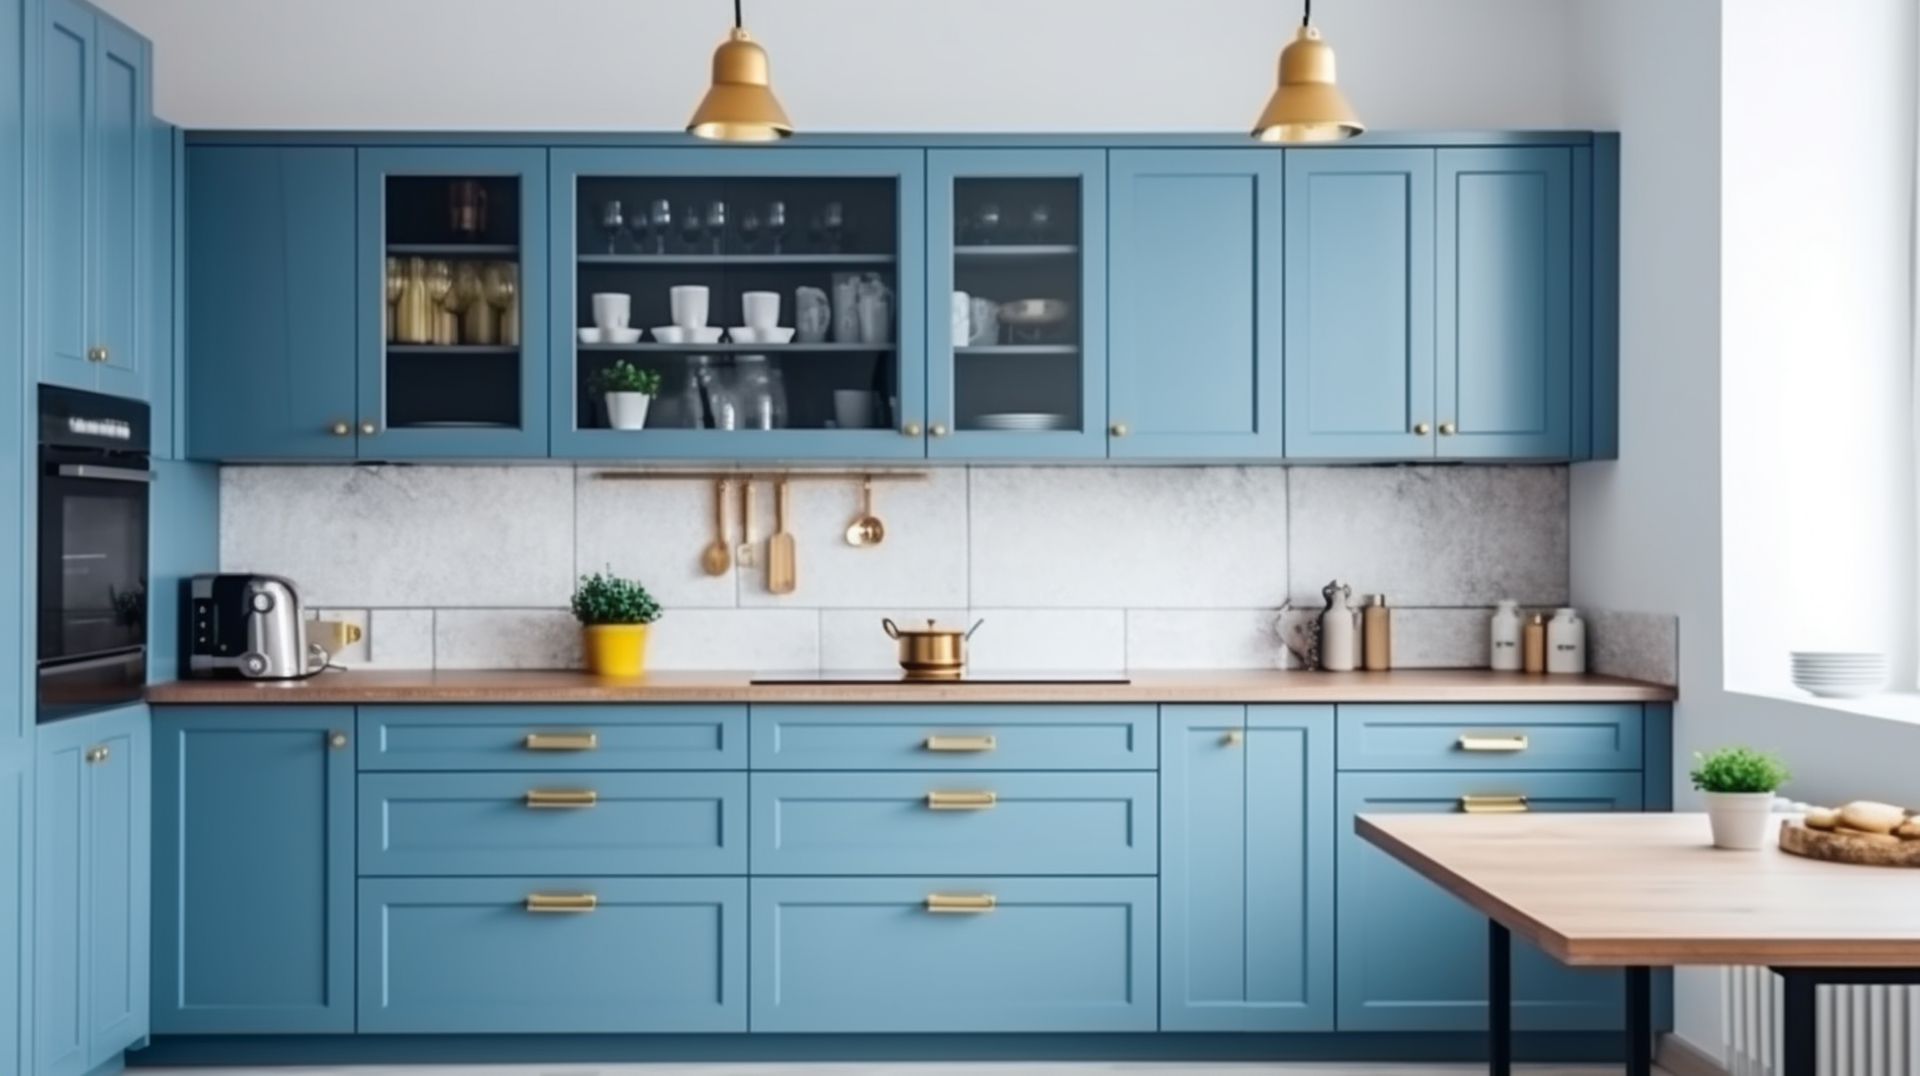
(1360, 305)
(1246, 868)
(1194, 340)
(270, 257)
(253, 886)
(1504, 357)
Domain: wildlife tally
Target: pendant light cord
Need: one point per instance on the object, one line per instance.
(1306, 16)
(737, 23)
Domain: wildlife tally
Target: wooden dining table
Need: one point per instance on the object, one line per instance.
(1645, 891)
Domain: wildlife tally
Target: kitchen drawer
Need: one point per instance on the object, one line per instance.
(553, 823)
(873, 954)
(935, 737)
(461, 955)
(1490, 736)
(933, 823)
(579, 737)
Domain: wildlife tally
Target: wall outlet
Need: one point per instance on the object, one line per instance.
(347, 634)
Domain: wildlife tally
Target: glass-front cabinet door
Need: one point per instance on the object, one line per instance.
(731, 303)
(453, 284)
(1017, 356)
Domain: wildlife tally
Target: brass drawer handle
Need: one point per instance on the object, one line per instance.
(1494, 804)
(1495, 742)
(97, 755)
(561, 799)
(562, 741)
(562, 903)
(961, 801)
(961, 744)
(961, 903)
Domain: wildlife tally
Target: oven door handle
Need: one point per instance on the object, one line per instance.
(105, 474)
(96, 661)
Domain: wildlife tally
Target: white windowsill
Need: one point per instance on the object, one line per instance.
(1901, 706)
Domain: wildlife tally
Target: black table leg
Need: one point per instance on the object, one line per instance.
(1799, 1038)
(1499, 1000)
(1639, 1022)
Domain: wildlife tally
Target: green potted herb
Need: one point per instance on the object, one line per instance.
(614, 614)
(629, 391)
(1739, 784)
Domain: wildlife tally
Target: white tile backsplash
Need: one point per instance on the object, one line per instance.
(1073, 567)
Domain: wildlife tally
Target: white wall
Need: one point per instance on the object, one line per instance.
(1765, 291)
(848, 65)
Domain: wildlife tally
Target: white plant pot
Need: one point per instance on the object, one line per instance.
(1739, 819)
(628, 410)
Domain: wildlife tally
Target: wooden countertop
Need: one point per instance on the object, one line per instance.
(1244, 686)
(1620, 890)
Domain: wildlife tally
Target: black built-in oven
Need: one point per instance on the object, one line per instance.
(94, 478)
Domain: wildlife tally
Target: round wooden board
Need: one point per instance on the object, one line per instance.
(1841, 848)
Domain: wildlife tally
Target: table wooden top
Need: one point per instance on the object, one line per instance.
(1650, 890)
(1199, 685)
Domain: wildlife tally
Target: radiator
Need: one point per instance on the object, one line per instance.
(1864, 1030)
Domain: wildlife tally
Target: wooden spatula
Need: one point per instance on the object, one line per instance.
(781, 575)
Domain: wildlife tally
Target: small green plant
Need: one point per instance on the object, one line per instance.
(1738, 769)
(609, 599)
(624, 376)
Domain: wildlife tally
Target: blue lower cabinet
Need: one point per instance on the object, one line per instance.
(1477, 736)
(918, 737)
(563, 737)
(253, 878)
(1246, 868)
(928, 823)
(552, 955)
(1412, 957)
(553, 823)
(954, 954)
(16, 876)
(91, 927)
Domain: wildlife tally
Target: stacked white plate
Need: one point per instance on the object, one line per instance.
(1839, 674)
(1022, 420)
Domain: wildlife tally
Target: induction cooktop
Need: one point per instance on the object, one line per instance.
(896, 676)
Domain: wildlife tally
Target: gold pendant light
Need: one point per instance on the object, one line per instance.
(1306, 106)
(740, 107)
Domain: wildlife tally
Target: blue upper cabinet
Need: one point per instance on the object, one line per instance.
(1504, 361)
(1195, 304)
(1246, 868)
(1359, 298)
(253, 887)
(816, 256)
(451, 301)
(270, 313)
(1017, 301)
(92, 189)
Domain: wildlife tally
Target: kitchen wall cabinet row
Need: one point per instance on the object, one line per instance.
(847, 869)
(1387, 302)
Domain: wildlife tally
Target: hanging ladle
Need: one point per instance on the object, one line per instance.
(866, 528)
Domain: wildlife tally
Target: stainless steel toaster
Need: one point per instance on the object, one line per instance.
(249, 626)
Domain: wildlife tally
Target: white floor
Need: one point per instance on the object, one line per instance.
(885, 1069)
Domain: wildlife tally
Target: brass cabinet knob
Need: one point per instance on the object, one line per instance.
(1233, 738)
(1448, 429)
(1118, 429)
(1421, 429)
(97, 354)
(938, 429)
(911, 429)
(97, 755)
(368, 429)
(341, 429)
(336, 740)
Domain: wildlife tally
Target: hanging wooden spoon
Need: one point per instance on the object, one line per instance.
(866, 528)
(717, 558)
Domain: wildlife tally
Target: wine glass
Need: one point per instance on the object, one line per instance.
(446, 320)
(776, 223)
(661, 215)
(832, 225)
(612, 222)
(396, 283)
(690, 227)
(749, 229)
(639, 224)
(986, 222)
(1040, 222)
(717, 224)
(502, 288)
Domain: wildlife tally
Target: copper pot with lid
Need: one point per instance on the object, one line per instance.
(932, 651)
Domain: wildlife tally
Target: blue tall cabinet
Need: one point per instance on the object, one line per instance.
(16, 714)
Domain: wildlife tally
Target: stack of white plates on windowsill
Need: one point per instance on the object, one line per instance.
(1018, 420)
(1839, 674)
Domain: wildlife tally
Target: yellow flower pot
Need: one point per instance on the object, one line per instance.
(616, 649)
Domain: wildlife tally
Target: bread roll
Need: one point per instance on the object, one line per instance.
(1909, 830)
(1867, 835)
(1823, 817)
(1870, 817)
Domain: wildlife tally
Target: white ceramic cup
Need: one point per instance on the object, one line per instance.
(760, 309)
(612, 310)
(689, 302)
(853, 409)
